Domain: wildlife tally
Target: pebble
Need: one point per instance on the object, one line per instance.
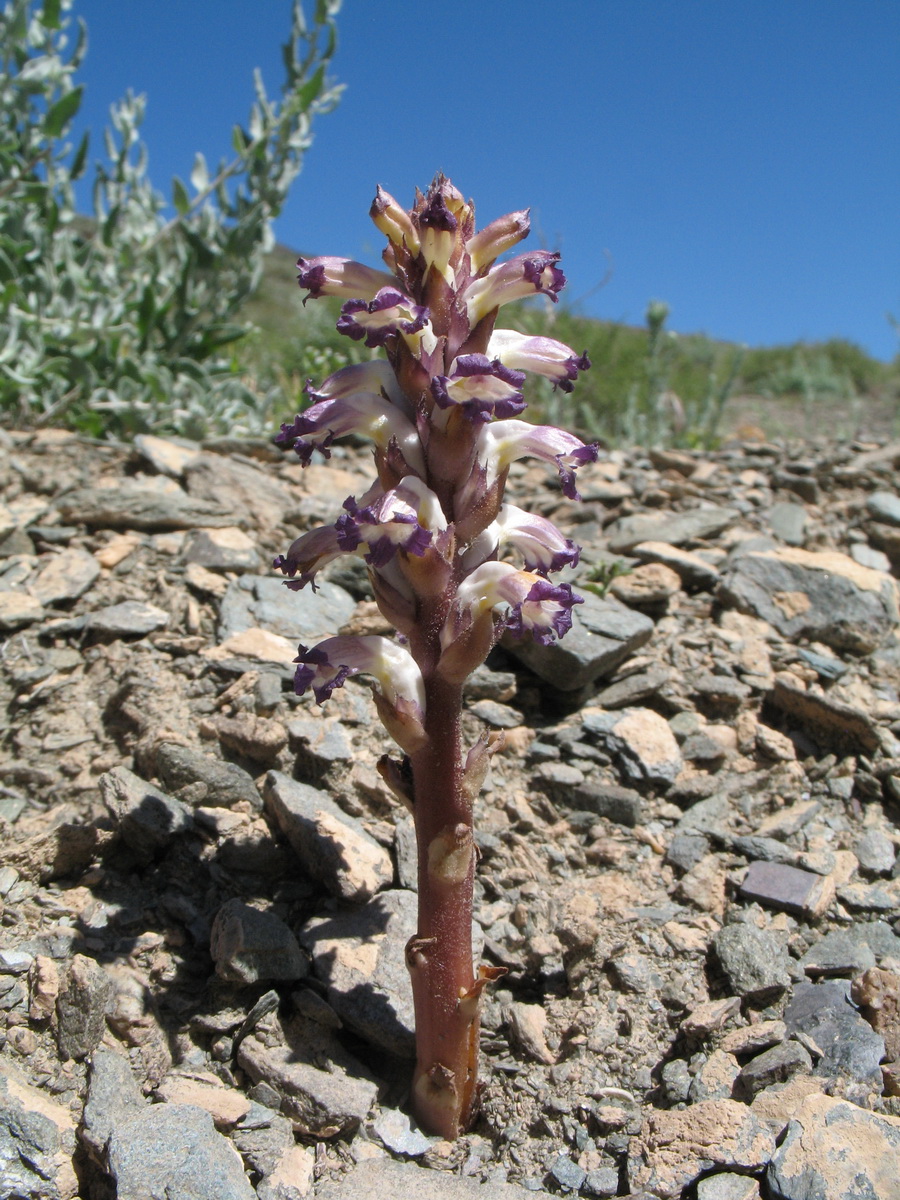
(132, 618)
(394, 1130)
(674, 528)
(65, 577)
(226, 549)
(18, 609)
(224, 784)
(848, 1049)
(147, 818)
(641, 740)
(787, 888)
(81, 1008)
(695, 572)
(263, 602)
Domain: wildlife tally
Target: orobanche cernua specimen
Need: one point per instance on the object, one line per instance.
(452, 566)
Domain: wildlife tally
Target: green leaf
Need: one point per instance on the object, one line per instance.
(61, 113)
(77, 168)
(311, 89)
(180, 197)
(50, 14)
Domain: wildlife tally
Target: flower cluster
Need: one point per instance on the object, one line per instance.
(451, 564)
(442, 411)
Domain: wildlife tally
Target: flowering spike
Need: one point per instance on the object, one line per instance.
(442, 409)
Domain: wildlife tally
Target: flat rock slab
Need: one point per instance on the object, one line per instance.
(321, 1103)
(604, 633)
(333, 847)
(675, 1147)
(264, 602)
(174, 1150)
(778, 885)
(227, 549)
(824, 596)
(385, 1179)
(836, 1151)
(131, 618)
(131, 507)
(221, 784)
(695, 572)
(838, 726)
(361, 957)
(66, 576)
(674, 528)
(113, 1098)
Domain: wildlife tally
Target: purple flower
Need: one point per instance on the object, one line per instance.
(340, 277)
(373, 378)
(500, 443)
(530, 602)
(545, 356)
(387, 313)
(399, 688)
(483, 389)
(540, 543)
(357, 412)
(524, 275)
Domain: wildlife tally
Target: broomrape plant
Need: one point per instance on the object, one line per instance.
(443, 413)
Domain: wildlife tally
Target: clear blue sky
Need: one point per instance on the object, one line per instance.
(739, 160)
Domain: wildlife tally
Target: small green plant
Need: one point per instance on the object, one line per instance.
(126, 322)
(600, 576)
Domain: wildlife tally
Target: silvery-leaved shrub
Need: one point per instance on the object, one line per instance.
(452, 565)
(127, 321)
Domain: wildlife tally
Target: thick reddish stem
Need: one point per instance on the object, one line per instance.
(440, 956)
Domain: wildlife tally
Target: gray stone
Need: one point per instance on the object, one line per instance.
(674, 528)
(169, 456)
(393, 1129)
(174, 1152)
(264, 602)
(263, 1140)
(634, 689)
(884, 506)
(228, 549)
(728, 1186)
(604, 633)
(767, 849)
(248, 945)
(289, 1057)
(850, 1048)
(788, 521)
(256, 493)
(333, 847)
(147, 818)
(498, 716)
(868, 556)
(619, 804)
(840, 952)
(875, 852)
(823, 596)
(568, 1174)
(131, 618)
(81, 1008)
(602, 1181)
(642, 742)
(696, 573)
(687, 849)
(320, 743)
(360, 956)
(225, 784)
(835, 1151)
(385, 1179)
(132, 507)
(37, 1142)
(65, 577)
(113, 1098)
(775, 1065)
(756, 965)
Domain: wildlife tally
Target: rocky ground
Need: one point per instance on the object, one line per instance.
(688, 850)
